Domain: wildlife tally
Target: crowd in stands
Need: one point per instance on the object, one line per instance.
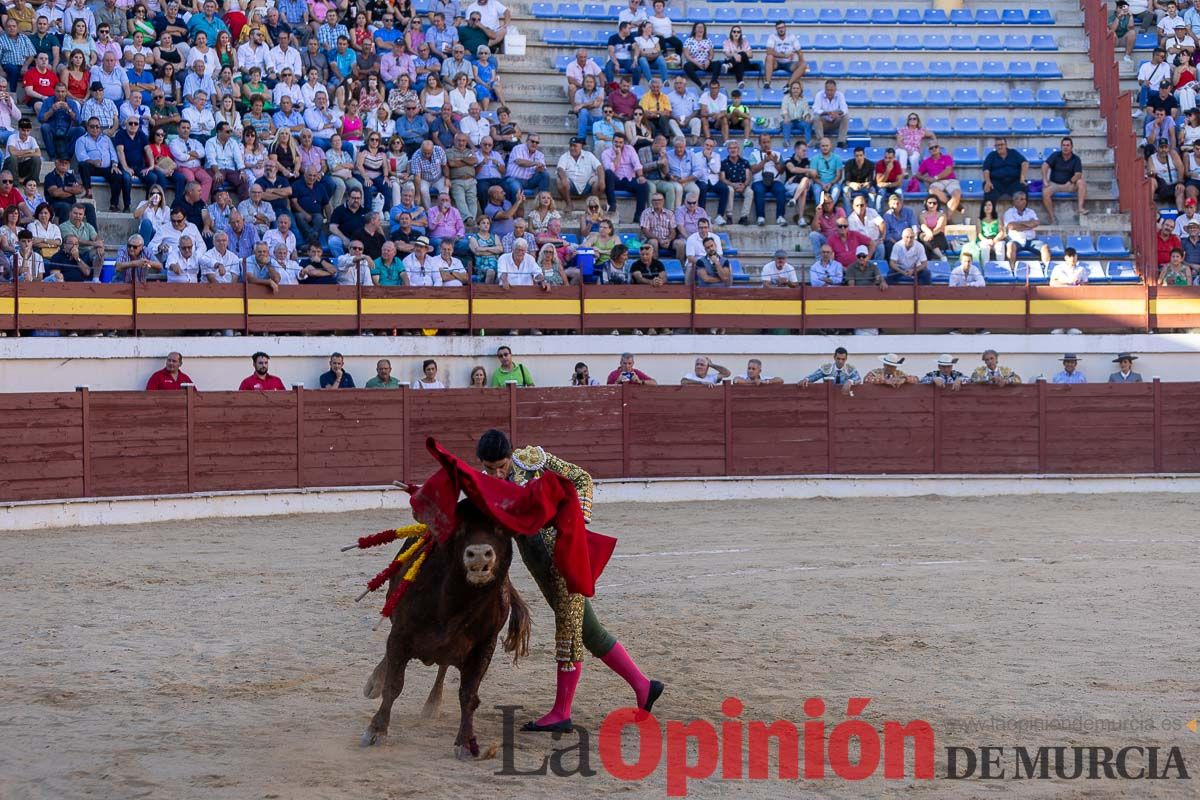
(364, 143)
(705, 372)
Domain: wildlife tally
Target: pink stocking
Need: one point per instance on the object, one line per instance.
(619, 662)
(564, 696)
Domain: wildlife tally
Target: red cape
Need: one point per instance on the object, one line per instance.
(579, 554)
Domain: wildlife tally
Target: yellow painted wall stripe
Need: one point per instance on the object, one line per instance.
(415, 305)
(7, 305)
(750, 307)
(83, 306)
(1009, 307)
(841, 307)
(1086, 307)
(505, 307)
(190, 305)
(276, 307)
(681, 305)
(1175, 305)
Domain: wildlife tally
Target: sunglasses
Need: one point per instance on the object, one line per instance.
(843, 226)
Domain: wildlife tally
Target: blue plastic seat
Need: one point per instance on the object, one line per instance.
(569, 11)
(914, 69)
(1016, 42)
(726, 16)
(542, 10)
(1055, 243)
(966, 156)
(699, 14)
(771, 97)
(675, 14)
(966, 69)
(962, 16)
(940, 69)
(1024, 125)
(830, 16)
(582, 38)
(805, 16)
(854, 41)
(856, 127)
(1031, 271)
(995, 126)
(911, 97)
(961, 41)
(1013, 16)
(1083, 246)
(1055, 126)
(881, 126)
(825, 41)
(939, 125)
(909, 16)
(998, 272)
(1032, 155)
(860, 69)
(1040, 16)
(1050, 97)
(994, 97)
(987, 16)
(907, 41)
(1043, 42)
(1095, 271)
(779, 15)
(753, 16)
(856, 16)
(555, 36)
(833, 69)
(972, 188)
(561, 62)
(989, 42)
(883, 16)
(993, 69)
(1047, 69)
(1111, 247)
(1022, 69)
(596, 11)
(935, 16)
(966, 126)
(939, 271)
(874, 153)
(934, 41)
(1122, 272)
(772, 126)
(887, 69)
(884, 97)
(937, 97)
(673, 269)
(1021, 97)
(880, 41)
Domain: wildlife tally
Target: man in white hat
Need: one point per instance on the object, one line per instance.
(890, 373)
(946, 375)
(1069, 372)
(1125, 373)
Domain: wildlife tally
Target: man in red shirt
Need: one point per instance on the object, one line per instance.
(627, 373)
(845, 241)
(39, 81)
(169, 377)
(262, 380)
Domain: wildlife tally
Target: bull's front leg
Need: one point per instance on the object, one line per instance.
(470, 676)
(393, 684)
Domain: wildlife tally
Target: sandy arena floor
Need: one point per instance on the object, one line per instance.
(225, 659)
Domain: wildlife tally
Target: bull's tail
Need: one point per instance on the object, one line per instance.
(517, 640)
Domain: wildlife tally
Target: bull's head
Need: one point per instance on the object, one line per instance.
(485, 549)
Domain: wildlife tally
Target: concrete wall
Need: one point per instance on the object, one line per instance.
(36, 365)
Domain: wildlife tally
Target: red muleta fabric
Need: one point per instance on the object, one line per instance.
(579, 554)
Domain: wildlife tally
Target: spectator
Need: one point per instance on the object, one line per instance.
(28, 264)
(518, 268)
(520, 232)
(509, 371)
(736, 174)
(1151, 75)
(845, 242)
(890, 373)
(620, 51)
(694, 248)
(712, 269)
(429, 376)
(888, 178)
(1188, 216)
(830, 172)
(182, 265)
(445, 223)
(946, 376)
(188, 155)
(623, 170)
(1166, 241)
(866, 221)
(895, 220)
(1124, 373)
(714, 111)
(586, 104)
(657, 170)
(98, 158)
(783, 52)
(937, 171)
(336, 377)
(220, 264)
(226, 162)
(623, 101)
(1003, 172)
(739, 113)
(310, 204)
(825, 222)
(170, 376)
(992, 373)
(345, 221)
(133, 263)
(1167, 172)
(352, 269)
(698, 55)
(800, 176)
(837, 371)
(24, 156)
(628, 373)
(778, 272)
(85, 233)
(753, 375)
(1063, 172)
(1069, 374)
(526, 169)
(826, 271)
(647, 54)
(685, 110)
(659, 224)
(767, 169)
(383, 376)
(991, 235)
(70, 264)
(1160, 124)
(909, 261)
(933, 230)
(580, 68)
(831, 112)
(260, 270)
(1020, 226)
(166, 239)
(706, 373)
(16, 52)
(656, 109)
(862, 271)
(1069, 272)
(262, 379)
(452, 271)
(796, 115)
(59, 122)
(1183, 262)
(579, 174)
(909, 140)
(966, 273)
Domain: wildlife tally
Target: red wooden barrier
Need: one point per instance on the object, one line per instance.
(120, 443)
(189, 306)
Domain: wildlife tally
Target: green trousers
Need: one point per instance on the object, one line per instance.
(538, 556)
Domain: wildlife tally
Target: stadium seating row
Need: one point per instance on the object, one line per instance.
(910, 98)
(997, 70)
(806, 16)
(994, 272)
(856, 42)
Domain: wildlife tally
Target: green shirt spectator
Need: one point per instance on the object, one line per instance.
(510, 370)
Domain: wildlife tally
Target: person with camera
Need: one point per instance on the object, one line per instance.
(1123, 26)
(628, 373)
(580, 376)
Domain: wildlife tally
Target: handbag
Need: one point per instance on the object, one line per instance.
(165, 166)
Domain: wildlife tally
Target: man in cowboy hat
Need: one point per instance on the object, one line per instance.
(946, 375)
(1125, 374)
(890, 373)
(1068, 374)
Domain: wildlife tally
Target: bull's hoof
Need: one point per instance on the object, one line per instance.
(373, 688)
(467, 752)
(372, 738)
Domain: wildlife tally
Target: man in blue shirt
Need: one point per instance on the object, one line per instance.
(59, 119)
(412, 128)
(385, 37)
(207, 23)
(337, 377)
(310, 203)
(98, 158)
(1069, 373)
(895, 220)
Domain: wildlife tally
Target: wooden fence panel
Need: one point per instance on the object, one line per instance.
(41, 446)
(860, 307)
(525, 307)
(989, 429)
(352, 437)
(244, 440)
(301, 309)
(581, 425)
(456, 418)
(190, 306)
(138, 443)
(75, 306)
(1100, 428)
(749, 308)
(1089, 308)
(778, 430)
(883, 430)
(410, 307)
(8, 306)
(1180, 435)
(993, 307)
(610, 307)
(676, 431)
